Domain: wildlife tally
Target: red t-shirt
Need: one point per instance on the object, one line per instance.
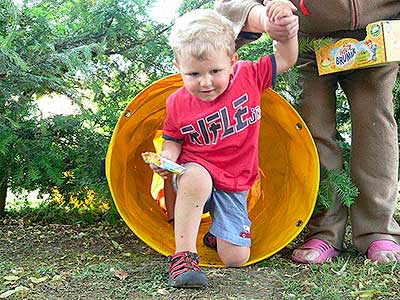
(222, 135)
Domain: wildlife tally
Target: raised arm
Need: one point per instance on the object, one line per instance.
(286, 50)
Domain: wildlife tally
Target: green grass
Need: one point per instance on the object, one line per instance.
(349, 277)
(67, 258)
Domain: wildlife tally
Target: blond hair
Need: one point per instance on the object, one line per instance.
(200, 32)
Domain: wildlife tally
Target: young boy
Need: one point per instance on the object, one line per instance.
(212, 127)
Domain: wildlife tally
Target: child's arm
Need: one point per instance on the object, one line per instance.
(171, 150)
(286, 54)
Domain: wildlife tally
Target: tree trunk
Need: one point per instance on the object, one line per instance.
(3, 195)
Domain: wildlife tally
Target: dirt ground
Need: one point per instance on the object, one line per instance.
(55, 261)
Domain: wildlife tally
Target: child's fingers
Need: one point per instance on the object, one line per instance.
(274, 10)
(283, 29)
(269, 8)
(279, 9)
(290, 5)
(289, 24)
(160, 171)
(155, 168)
(163, 174)
(282, 14)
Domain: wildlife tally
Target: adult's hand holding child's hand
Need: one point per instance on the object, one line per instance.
(279, 9)
(282, 24)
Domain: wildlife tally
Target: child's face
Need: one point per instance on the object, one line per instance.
(209, 78)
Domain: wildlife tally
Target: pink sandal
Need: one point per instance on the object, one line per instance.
(325, 250)
(381, 245)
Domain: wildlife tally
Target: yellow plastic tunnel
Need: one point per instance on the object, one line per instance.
(279, 204)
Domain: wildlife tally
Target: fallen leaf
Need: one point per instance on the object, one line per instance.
(342, 269)
(82, 235)
(116, 245)
(38, 280)
(16, 290)
(21, 288)
(121, 274)
(57, 278)
(6, 294)
(11, 278)
(365, 293)
(17, 271)
(163, 291)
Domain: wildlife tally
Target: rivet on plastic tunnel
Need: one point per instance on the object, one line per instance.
(280, 203)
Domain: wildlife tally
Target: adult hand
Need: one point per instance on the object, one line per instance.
(279, 9)
(281, 28)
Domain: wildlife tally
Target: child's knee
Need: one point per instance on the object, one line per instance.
(236, 261)
(196, 178)
(232, 255)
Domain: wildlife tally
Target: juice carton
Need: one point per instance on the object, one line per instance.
(382, 45)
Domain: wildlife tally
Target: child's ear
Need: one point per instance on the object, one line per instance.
(175, 63)
(235, 58)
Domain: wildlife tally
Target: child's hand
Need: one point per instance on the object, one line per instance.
(279, 9)
(160, 171)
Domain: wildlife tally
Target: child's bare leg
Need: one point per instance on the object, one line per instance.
(232, 255)
(194, 188)
(169, 195)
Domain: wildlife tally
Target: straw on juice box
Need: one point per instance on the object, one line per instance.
(162, 162)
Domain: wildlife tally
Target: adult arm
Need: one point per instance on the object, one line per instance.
(251, 16)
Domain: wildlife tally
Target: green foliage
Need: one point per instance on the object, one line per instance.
(396, 95)
(101, 52)
(188, 5)
(253, 51)
(51, 211)
(335, 182)
(307, 44)
(287, 85)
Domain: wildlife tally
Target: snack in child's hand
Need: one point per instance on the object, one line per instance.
(159, 161)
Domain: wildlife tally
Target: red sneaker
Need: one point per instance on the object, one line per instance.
(184, 271)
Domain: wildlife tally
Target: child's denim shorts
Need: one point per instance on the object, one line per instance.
(230, 220)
